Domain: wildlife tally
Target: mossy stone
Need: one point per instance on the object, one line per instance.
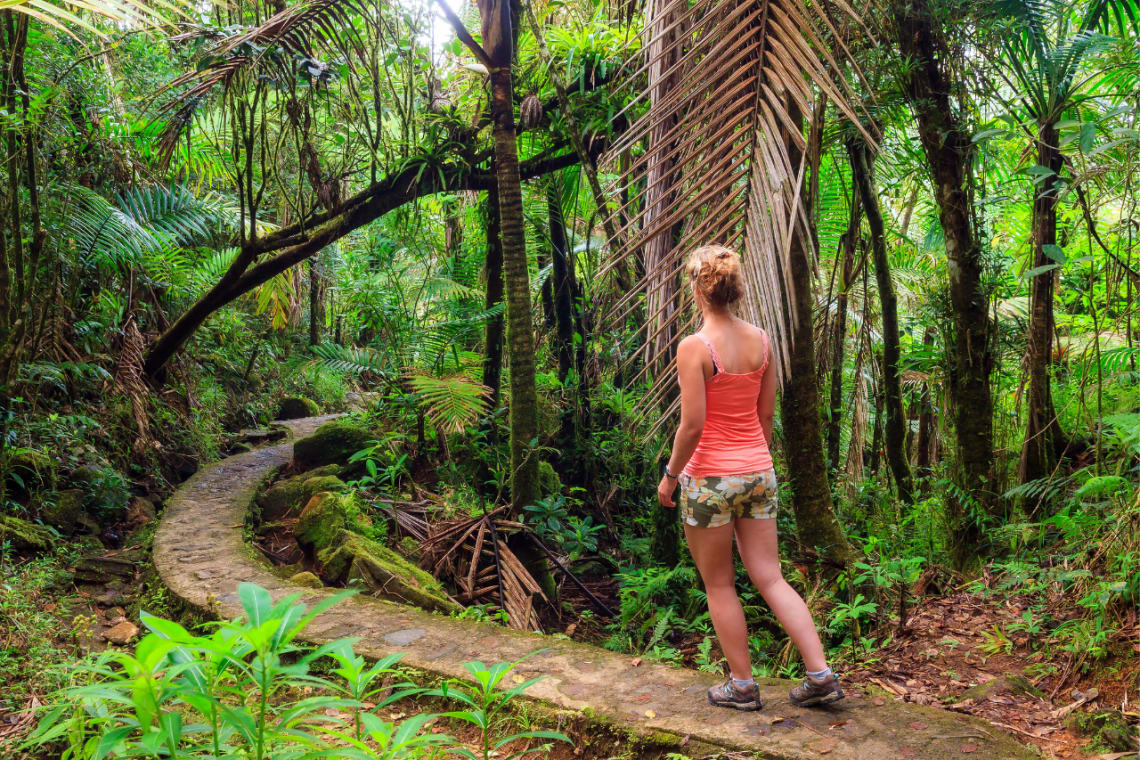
(332, 443)
(356, 559)
(64, 512)
(296, 407)
(323, 518)
(288, 497)
(24, 536)
(306, 579)
(1010, 683)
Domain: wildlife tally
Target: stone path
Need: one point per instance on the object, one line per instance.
(199, 552)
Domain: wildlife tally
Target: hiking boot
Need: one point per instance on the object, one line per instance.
(728, 695)
(814, 694)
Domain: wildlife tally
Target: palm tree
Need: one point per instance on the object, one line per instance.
(718, 94)
(1046, 57)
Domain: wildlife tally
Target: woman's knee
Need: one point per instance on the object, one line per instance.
(766, 575)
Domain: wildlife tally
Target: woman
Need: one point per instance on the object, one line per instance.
(728, 487)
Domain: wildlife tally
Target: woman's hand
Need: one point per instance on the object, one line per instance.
(665, 491)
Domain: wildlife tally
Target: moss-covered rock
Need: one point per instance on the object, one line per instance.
(64, 510)
(288, 497)
(323, 518)
(356, 559)
(29, 472)
(1010, 683)
(306, 579)
(1108, 728)
(332, 443)
(296, 407)
(24, 536)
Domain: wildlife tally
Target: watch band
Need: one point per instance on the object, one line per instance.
(669, 474)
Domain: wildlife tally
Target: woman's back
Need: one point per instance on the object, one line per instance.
(733, 441)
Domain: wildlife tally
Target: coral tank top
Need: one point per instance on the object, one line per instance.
(732, 442)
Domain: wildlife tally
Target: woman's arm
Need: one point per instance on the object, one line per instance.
(766, 401)
(691, 375)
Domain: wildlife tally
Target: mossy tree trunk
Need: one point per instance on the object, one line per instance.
(1044, 440)
(816, 524)
(493, 331)
(862, 169)
(947, 145)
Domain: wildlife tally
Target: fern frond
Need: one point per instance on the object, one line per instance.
(451, 403)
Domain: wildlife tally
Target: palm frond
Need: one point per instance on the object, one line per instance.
(450, 403)
(719, 91)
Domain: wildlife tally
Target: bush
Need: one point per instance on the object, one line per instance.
(236, 693)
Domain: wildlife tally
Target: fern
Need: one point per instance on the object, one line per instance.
(451, 403)
(352, 360)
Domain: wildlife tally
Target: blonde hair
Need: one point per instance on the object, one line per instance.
(716, 271)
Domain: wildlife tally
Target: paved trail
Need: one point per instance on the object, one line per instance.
(200, 555)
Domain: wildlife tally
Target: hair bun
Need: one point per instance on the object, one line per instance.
(716, 271)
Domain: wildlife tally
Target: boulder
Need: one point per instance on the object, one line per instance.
(356, 559)
(241, 447)
(64, 513)
(306, 579)
(296, 407)
(332, 443)
(24, 536)
(323, 518)
(104, 569)
(140, 511)
(287, 497)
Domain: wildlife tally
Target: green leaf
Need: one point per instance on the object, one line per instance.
(1038, 271)
(1054, 252)
(256, 602)
(1088, 136)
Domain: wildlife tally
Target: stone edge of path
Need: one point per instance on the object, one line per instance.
(201, 556)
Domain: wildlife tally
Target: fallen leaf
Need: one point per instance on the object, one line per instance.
(684, 740)
(517, 678)
(838, 723)
(642, 698)
(777, 719)
(917, 725)
(906, 751)
(968, 748)
(824, 745)
(636, 661)
(650, 714)
(878, 701)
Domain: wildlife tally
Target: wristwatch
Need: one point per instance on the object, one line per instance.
(669, 474)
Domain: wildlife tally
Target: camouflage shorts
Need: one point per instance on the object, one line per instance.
(707, 502)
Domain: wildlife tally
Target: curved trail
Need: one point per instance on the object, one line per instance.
(200, 554)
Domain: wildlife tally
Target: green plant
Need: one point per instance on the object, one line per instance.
(485, 702)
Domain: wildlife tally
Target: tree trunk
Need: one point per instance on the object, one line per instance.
(816, 524)
(839, 335)
(895, 428)
(1044, 440)
(949, 154)
(316, 301)
(562, 284)
(493, 331)
(498, 42)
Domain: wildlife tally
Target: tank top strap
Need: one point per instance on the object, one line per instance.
(712, 353)
(767, 350)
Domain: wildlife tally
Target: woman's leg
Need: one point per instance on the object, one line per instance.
(712, 552)
(756, 539)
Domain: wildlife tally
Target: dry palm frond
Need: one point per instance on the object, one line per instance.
(129, 377)
(720, 86)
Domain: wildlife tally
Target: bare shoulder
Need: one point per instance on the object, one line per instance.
(752, 331)
(690, 348)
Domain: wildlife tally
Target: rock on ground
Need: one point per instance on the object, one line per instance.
(296, 407)
(332, 443)
(24, 536)
(288, 497)
(356, 559)
(122, 633)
